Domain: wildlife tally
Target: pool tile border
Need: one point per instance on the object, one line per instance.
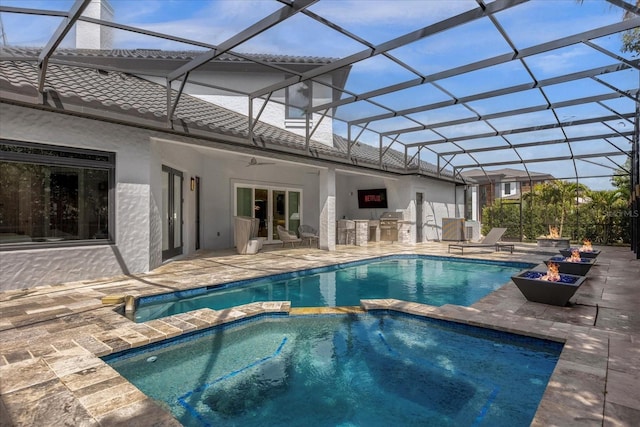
(578, 383)
(194, 292)
(92, 389)
(582, 361)
(575, 394)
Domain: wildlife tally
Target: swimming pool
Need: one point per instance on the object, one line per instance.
(374, 369)
(418, 278)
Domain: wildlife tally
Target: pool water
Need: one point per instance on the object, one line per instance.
(374, 369)
(424, 279)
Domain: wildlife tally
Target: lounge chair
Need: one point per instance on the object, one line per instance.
(308, 233)
(492, 239)
(288, 237)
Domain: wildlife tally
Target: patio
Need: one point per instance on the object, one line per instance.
(52, 336)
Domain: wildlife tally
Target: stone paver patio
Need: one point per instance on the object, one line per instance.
(52, 337)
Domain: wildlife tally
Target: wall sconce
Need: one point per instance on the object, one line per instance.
(193, 184)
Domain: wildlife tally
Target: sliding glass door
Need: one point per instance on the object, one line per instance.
(272, 205)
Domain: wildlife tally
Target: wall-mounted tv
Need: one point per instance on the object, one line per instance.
(372, 199)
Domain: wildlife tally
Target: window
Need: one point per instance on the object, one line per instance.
(53, 195)
(297, 99)
(468, 204)
(508, 189)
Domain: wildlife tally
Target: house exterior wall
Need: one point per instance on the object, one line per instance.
(131, 253)
(347, 187)
(274, 112)
(514, 188)
(440, 200)
(139, 157)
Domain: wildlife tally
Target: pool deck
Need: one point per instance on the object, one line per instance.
(51, 337)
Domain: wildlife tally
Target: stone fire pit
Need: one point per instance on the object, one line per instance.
(549, 242)
(553, 240)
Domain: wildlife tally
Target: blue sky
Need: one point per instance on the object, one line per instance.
(377, 21)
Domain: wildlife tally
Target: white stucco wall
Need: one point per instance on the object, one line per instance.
(94, 36)
(347, 196)
(131, 253)
(440, 200)
(140, 155)
(277, 175)
(273, 113)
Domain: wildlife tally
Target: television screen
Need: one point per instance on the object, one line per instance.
(372, 199)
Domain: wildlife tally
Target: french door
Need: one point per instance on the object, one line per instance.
(171, 212)
(273, 206)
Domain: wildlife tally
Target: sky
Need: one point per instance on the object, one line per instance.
(378, 21)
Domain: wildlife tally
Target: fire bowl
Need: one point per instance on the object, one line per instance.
(568, 267)
(550, 242)
(545, 292)
(583, 254)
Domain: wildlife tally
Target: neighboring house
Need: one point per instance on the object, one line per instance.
(95, 183)
(505, 184)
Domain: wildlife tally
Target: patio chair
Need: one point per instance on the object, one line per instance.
(287, 237)
(308, 233)
(492, 239)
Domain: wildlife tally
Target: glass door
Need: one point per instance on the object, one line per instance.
(171, 212)
(261, 211)
(273, 206)
(293, 210)
(278, 212)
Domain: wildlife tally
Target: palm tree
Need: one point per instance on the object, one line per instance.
(630, 38)
(557, 199)
(601, 209)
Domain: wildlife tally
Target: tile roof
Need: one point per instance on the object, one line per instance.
(138, 101)
(505, 174)
(16, 52)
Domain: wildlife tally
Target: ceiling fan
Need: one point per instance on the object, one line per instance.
(254, 162)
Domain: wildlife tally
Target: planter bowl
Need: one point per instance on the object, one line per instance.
(583, 254)
(568, 267)
(545, 292)
(547, 242)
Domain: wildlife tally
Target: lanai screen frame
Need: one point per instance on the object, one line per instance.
(456, 158)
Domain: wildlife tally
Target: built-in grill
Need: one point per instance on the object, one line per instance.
(389, 223)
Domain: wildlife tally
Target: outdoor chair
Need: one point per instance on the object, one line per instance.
(287, 237)
(492, 239)
(308, 233)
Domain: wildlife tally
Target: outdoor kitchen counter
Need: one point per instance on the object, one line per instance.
(362, 232)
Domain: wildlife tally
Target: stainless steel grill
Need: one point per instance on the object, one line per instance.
(389, 222)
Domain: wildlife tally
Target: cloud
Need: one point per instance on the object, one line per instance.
(376, 12)
(556, 63)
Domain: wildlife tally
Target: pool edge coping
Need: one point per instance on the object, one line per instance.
(575, 356)
(201, 290)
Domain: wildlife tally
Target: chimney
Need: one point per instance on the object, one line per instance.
(94, 36)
